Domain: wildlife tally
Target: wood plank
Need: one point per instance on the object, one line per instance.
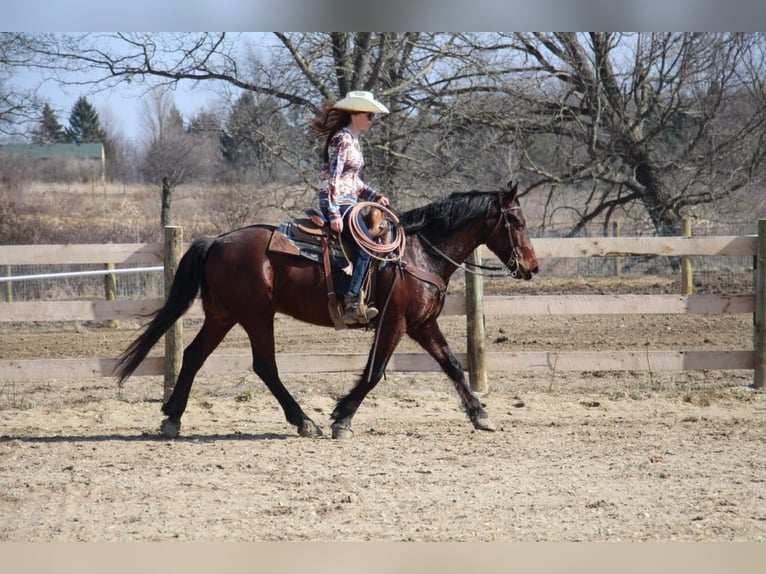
(98, 310)
(41, 369)
(81, 253)
(728, 245)
(151, 253)
(27, 369)
(620, 361)
(616, 304)
(288, 363)
(35, 311)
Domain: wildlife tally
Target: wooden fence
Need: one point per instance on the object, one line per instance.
(474, 307)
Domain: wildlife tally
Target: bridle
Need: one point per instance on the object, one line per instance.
(512, 264)
(513, 261)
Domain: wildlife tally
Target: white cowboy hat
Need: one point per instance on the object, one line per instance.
(361, 102)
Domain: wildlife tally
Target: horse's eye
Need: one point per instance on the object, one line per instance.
(517, 220)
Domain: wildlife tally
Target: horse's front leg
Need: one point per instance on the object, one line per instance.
(430, 337)
(380, 354)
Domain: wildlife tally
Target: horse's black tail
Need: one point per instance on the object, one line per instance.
(187, 283)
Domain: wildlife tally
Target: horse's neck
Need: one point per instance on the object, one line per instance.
(457, 247)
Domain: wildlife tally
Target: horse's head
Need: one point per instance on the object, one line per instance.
(509, 239)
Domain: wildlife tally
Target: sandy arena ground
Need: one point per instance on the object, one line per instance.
(601, 456)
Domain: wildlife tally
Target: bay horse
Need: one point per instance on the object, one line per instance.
(241, 281)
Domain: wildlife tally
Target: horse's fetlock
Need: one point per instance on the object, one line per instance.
(342, 430)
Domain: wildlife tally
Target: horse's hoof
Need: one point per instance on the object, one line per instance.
(484, 423)
(341, 432)
(308, 429)
(170, 429)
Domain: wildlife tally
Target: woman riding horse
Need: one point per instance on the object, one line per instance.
(241, 282)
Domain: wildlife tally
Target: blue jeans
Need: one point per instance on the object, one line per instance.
(351, 284)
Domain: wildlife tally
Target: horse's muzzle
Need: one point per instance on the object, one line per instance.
(517, 271)
(528, 275)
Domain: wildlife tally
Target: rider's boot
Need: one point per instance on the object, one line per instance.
(357, 312)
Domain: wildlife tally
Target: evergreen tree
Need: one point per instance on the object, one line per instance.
(49, 129)
(84, 125)
(251, 125)
(205, 123)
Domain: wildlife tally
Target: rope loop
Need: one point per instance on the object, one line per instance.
(389, 252)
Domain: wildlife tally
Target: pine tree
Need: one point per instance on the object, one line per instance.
(49, 129)
(84, 125)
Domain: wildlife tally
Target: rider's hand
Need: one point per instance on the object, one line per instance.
(382, 200)
(336, 225)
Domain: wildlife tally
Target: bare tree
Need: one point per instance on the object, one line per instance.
(17, 105)
(172, 155)
(660, 122)
(645, 118)
(299, 72)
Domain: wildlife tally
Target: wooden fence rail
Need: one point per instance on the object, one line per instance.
(477, 359)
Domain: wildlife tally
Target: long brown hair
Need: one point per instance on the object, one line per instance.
(327, 124)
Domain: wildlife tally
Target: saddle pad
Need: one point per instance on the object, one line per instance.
(284, 240)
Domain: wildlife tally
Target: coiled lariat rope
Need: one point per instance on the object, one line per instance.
(388, 252)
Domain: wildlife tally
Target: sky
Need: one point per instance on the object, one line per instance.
(122, 109)
(347, 15)
(122, 106)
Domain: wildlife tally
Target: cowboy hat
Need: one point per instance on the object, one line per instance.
(361, 102)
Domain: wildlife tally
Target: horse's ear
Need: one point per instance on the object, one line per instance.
(513, 190)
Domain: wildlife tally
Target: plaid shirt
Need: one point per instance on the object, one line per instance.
(339, 179)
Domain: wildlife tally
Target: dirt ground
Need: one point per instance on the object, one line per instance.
(598, 456)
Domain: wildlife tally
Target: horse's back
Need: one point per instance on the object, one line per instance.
(246, 277)
(237, 263)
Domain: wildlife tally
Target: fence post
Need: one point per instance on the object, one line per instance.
(474, 310)
(687, 282)
(617, 232)
(110, 290)
(759, 318)
(174, 335)
(8, 285)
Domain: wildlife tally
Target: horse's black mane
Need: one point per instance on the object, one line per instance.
(447, 214)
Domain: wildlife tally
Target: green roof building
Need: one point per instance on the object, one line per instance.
(61, 151)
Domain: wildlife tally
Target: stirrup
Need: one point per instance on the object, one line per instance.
(357, 312)
(363, 314)
(370, 313)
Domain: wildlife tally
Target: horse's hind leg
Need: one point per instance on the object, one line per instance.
(261, 334)
(430, 337)
(209, 337)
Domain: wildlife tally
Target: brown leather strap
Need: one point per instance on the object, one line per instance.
(426, 276)
(327, 266)
(333, 302)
